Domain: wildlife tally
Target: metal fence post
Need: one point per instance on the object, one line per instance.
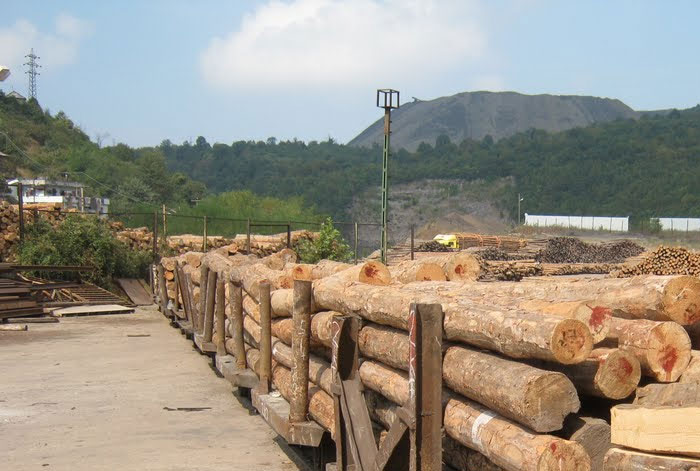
(412, 241)
(356, 237)
(204, 236)
(247, 230)
(20, 198)
(155, 235)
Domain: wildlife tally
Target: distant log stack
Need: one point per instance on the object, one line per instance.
(665, 261)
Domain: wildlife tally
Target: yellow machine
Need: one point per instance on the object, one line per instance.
(448, 240)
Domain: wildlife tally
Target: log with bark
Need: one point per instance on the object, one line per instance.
(592, 434)
(672, 394)
(662, 348)
(619, 459)
(250, 276)
(457, 266)
(417, 270)
(692, 373)
(517, 334)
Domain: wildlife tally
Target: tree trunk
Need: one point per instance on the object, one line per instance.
(618, 459)
(250, 276)
(319, 369)
(279, 260)
(509, 445)
(518, 334)
(662, 348)
(385, 344)
(282, 301)
(417, 270)
(596, 317)
(608, 373)
(673, 394)
(592, 434)
(536, 398)
(657, 429)
(692, 373)
(457, 266)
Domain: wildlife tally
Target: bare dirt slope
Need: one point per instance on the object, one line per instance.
(95, 394)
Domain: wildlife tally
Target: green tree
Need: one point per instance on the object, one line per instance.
(329, 245)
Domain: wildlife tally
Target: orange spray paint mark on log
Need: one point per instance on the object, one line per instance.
(669, 357)
(598, 315)
(370, 271)
(625, 368)
(459, 269)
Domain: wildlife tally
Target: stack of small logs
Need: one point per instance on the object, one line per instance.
(665, 261)
(573, 250)
(477, 240)
(138, 238)
(520, 359)
(264, 245)
(9, 222)
(187, 242)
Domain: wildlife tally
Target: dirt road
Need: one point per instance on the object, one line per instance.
(102, 393)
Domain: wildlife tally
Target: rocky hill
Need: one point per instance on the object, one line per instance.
(474, 115)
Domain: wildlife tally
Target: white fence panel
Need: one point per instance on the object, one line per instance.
(606, 223)
(680, 224)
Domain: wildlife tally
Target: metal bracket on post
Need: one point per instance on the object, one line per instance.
(414, 440)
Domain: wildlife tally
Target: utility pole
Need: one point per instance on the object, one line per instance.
(388, 99)
(32, 72)
(519, 201)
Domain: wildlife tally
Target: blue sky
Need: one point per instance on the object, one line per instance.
(143, 71)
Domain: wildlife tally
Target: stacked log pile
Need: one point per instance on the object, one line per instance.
(520, 359)
(139, 238)
(572, 250)
(184, 243)
(9, 222)
(665, 261)
(263, 245)
(478, 240)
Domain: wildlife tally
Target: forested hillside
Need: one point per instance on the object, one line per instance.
(40, 143)
(644, 167)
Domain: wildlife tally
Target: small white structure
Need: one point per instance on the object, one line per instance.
(66, 193)
(679, 224)
(604, 223)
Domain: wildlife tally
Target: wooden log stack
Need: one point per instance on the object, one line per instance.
(518, 365)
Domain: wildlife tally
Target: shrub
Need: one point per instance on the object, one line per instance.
(329, 246)
(86, 241)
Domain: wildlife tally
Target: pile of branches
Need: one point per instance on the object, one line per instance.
(666, 261)
(432, 246)
(496, 254)
(572, 250)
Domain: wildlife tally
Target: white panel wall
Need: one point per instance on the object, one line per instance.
(680, 224)
(605, 223)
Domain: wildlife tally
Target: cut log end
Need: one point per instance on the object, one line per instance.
(670, 353)
(681, 300)
(618, 374)
(596, 317)
(430, 272)
(550, 399)
(463, 267)
(302, 272)
(571, 342)
(564, 455)
(374, 273)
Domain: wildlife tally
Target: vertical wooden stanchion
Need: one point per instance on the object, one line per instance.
(162, 290)
(425, 385)
(356, 238)
(165, 225)
(236, 303)
(289, 235)
(176, 301)
(247, 231)
(203, 277)
(190, 299)
(265, 338)
(204, 235)
(155, 236)
(209, 312)
(220, 323)
(413, 241)
(20, 201)
(301, 316)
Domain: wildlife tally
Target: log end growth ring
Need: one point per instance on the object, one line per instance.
(681, 300)
(670, 353)
(571, 341)
(618, 375)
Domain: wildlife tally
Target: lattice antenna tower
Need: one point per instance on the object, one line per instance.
(32, 72)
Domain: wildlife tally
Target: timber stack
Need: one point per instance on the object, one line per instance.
(665, 261)
(521, 360)
(9, 222)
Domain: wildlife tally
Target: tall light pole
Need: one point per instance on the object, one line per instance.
(519, 201)
(388, 99)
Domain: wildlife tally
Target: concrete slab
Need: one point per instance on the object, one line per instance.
(123, 392)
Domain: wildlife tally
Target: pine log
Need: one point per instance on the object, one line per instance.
(657, 429)
(169, 276)
(692, 373)
(193, 259)
(517, 334)
(508, 444)
(390, 383)
(694, 333)
(168, 263)
(608, 373)
(662, 348)
(371, 273)
(618, 459)
(250, 276)
(417, 270)
(673, 394)
(281, 302)
(660, 298)
(536, 398)
(319, 369)
(596, 317)
(457, 266)
(320, 329)
(278, 260)
(592, 434)
(385, 344)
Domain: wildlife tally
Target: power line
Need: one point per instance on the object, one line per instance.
(32, 72)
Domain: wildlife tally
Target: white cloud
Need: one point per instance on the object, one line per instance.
(56, 48)
(350, 43)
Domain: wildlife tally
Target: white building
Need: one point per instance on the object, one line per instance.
(71, 195)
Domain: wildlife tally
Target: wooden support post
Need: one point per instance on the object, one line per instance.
(162, 290)
(247, 231)
(20, 200)
(176, 301)
(425, 385)
(209, 310)
(181, 282)
(236, 303)
(203, 277)
(265, 339)
(190, 299)
(155, 236)
(301, 315)
(165, 225)
(220, 338)
(413, 239)
(289, 235)
(356, 238)
(204, 235)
